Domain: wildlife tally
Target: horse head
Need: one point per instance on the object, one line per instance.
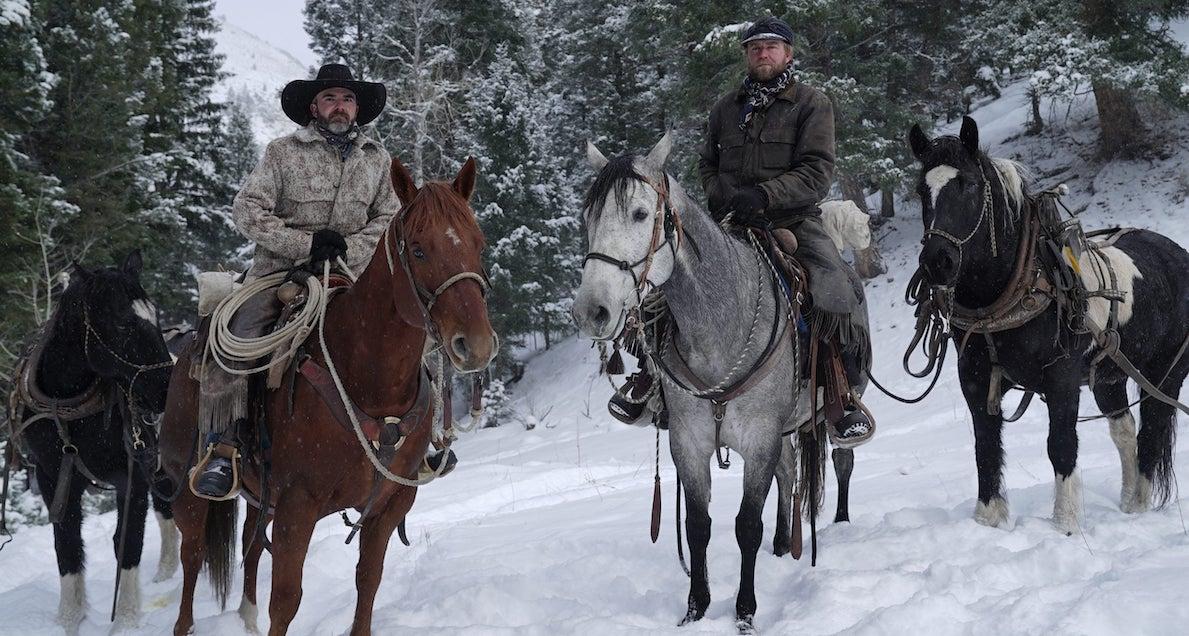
(963, 192)
(437, 242)
(632, 240)
(119, 327)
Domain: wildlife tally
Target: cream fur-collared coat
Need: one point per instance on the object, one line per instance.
(301, 186)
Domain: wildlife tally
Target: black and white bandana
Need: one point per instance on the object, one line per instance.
(760, 95)
(341, 142)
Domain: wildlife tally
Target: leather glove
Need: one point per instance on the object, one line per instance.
(327, 245)
(748, 206)
(745, 200)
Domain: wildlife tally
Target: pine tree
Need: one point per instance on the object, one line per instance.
(1120, 51)
(34, 210)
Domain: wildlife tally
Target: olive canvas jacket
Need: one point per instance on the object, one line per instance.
(788, 151)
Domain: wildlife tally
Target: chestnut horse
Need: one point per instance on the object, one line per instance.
(376, 334)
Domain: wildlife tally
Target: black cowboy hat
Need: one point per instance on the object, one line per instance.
(298, 94)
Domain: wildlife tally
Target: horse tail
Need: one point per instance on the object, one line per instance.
(1160, 425)
(811, 478)
(221, 520)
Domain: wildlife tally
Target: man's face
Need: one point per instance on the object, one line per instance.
(335, 109)
(767, 59)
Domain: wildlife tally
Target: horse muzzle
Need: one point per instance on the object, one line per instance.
(594, 318)
(941, 261)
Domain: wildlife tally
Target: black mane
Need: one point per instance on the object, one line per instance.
(612, 179)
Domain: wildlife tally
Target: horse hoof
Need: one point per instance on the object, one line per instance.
(992, 513)
(1139, 499)
(691, 616)
(744, 625)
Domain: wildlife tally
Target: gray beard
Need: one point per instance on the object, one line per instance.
(337, 127)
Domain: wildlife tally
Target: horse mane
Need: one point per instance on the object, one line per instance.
(1014, 177)
(612, 180)
(438, 207)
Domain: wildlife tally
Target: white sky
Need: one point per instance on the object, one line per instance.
(277, 22)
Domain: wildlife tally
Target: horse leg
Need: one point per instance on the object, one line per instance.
(844, 464)
(1063, 453)
(167, 564)
(373, 544)
(1112, 399)
(131, 514)
(190, 517)
(786, 474)
(68, 547)
(693, 469)
(749, 529)
(1156, 442)
(293, 525)
(253, 547)
(974, 372)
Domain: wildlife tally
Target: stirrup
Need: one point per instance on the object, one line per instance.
(627, 404)
(430, 467)
(227, 451)
(857, 417)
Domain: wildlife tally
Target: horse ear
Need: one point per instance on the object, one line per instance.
(133, 263)
(969, 134)
(464, 183)
(660, 152)
(595, 157)
(919, 142)
(402, 182)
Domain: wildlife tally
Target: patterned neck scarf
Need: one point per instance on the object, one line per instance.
(341, 142)
(760, 95)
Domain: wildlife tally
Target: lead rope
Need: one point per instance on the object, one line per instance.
(355, 426)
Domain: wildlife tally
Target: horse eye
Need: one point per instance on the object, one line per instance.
(639, 215)
(418, 252)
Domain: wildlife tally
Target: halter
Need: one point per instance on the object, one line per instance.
(90, 331)
(426, 299)
(673, 236)
(988, 210)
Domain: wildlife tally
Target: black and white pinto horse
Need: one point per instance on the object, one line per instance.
(103, 334)
(716, 287)
(1044, 355)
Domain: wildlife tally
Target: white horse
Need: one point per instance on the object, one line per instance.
(644, 232)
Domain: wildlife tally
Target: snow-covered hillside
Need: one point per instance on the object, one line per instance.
(257, 71)
(546, 531)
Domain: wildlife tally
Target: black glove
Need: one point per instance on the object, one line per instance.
(747, 200)
(327, 245)
(747, 206)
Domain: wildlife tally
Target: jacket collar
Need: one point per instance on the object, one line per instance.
(787, 94)
(310, 134)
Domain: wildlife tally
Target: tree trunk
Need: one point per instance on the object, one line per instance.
(887, 203)
(852, 188)
(1037, 124)
(1120, 130)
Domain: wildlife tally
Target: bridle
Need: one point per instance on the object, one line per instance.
(90, 332)
(426, 299)
(988, 210)
(666, 223)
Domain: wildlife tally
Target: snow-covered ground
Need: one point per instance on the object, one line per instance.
(546, 531)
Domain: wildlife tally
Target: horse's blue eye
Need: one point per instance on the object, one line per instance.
(418, 252)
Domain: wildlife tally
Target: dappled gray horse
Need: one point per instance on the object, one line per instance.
(644, 232)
